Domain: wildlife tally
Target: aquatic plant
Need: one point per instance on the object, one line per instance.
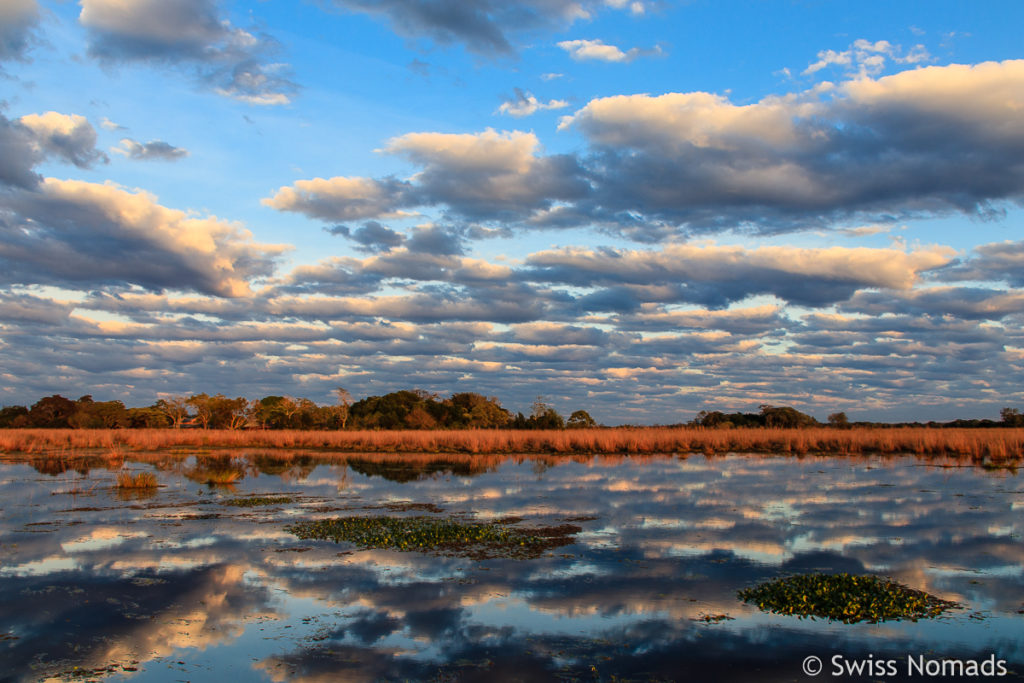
(140, 480)
(845, 597)
(256, 501)
(411, 534)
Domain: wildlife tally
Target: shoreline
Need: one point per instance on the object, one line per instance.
(994, 445)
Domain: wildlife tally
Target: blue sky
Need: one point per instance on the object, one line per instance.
(643, 209)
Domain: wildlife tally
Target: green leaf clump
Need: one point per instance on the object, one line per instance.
(412, 534)
(256, 501)
(845, 597)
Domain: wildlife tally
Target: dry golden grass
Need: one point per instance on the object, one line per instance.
(988, 445)
(141, 480)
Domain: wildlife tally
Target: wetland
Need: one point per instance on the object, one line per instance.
(270, 565)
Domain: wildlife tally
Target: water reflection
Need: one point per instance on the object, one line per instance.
(178, 585)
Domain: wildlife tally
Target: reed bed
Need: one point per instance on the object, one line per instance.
(998, 446)
(141, 480)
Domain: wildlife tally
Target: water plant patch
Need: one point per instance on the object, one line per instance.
(845, 597)
(257, 501)
(431, 534)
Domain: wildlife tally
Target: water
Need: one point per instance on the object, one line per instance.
(178, 586)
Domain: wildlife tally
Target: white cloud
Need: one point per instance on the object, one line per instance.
(717, 274)
(18, 18)
(87, 233)
(487, 175)
(925, 141)
(488, 152)
(340, 198)
(189, 33)
(867, 58)
(587, 50)
(525, 104)
(154, 149)
(107, 124)
(68, 136)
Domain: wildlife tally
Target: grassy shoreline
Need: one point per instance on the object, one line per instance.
(998, 446)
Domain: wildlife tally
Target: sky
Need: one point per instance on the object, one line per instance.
(640, 208)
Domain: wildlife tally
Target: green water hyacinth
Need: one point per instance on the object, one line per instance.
(845, 597)
(256, 501)
(472, 539)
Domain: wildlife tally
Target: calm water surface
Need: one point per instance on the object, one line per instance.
(178, 586)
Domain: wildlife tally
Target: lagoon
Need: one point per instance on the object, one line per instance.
(179, 584)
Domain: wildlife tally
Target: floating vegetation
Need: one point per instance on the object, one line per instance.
(844, 597)
(713, 618)
(411, 534)
(256, 501)
(140, 480)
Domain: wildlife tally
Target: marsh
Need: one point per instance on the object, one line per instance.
(204, 580)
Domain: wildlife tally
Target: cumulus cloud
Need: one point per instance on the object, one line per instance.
(19, 153)
(745, 320)
(921, 142)
(925, 142)
(18, 20)
(375, 238)
(91, 235)
(716, 275)
(192, 35)
(344, 199)
(866, 58)
(69, 137)
(525, 104)
(154, 149)
(970, 303)
(26, 308)
(996, 262)
(487, 176)
(372, 237)
(432, 239)
(598, 50)
(485, 27)
(451, 322)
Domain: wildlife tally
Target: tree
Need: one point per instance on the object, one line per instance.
(579, 420)
(232, 413)
(344, 401)
(219, 411)
(90, 414)
(1011, 417)
(544, 416)
(147, 418)
(839, 421)
(13, 416)
(175, 409)
(275, 412)
(784, 417)
(52, 412)
(204, 409)
(419, 418)
(475, 411)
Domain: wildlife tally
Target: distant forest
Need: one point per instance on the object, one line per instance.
(408, 409)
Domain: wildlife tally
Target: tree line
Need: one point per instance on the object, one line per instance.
(407, 409)
(784, 417)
